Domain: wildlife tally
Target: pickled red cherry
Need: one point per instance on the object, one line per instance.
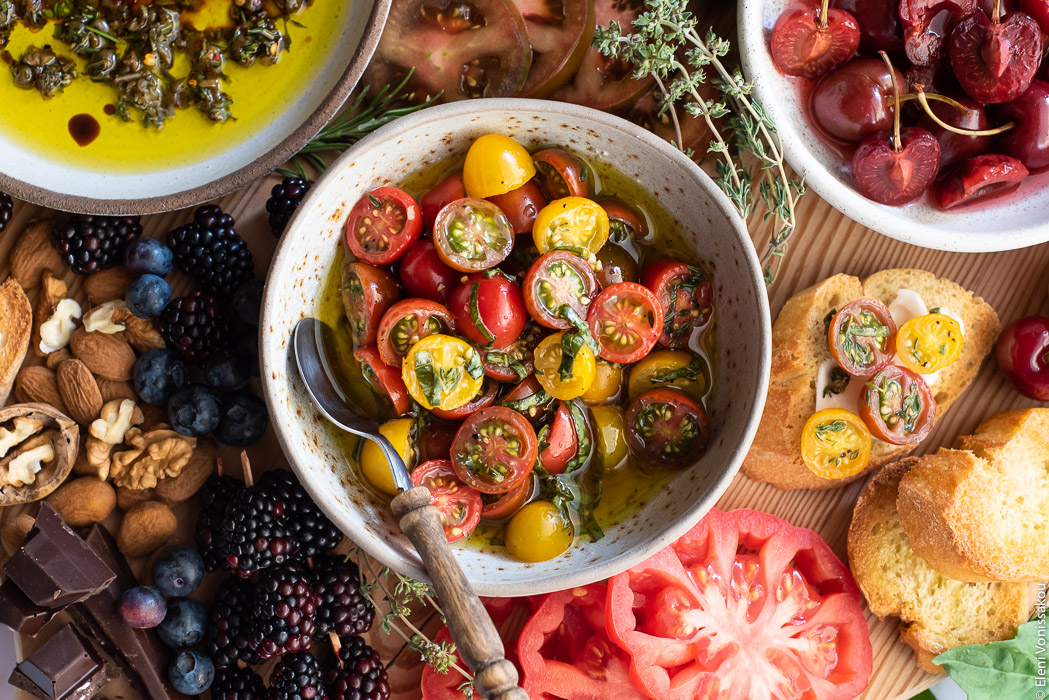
(808, 41)
(995, 59)
(893, 170)
(1038, 11)
(1028, 142)
(954, 148)
(879, 20)
(979, 178)
(855, 100)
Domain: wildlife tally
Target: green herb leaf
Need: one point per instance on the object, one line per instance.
(374, 201)
(428, 377)
(1006, 670)
(474, 366)
(571, 344)
(503, 359)
(584, 442)
(475, 314)
(692, 371)
(827, 320)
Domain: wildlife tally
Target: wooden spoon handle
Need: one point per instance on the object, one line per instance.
(478, 642)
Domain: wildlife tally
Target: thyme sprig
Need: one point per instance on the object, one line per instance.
(665, 44)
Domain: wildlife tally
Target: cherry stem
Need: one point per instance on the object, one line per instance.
(336, 645)
(923, 99)
(996, 11)
(246, 467)
(896, 102)
(822, 21)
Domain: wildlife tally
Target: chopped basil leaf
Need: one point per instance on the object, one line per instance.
(428, 378)
(475, 314)
(571, 344)
(935, 310)
(691, 371)
(503, 359)
(374, 201)
(584, 444)
(474, 366)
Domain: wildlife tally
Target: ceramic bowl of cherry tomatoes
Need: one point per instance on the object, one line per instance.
(556, 318)
(925, 120)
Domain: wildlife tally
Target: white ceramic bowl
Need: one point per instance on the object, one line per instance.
(1014, 221)
(307, 249)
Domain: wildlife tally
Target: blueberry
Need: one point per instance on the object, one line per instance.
(243, 420)
(147, 296)
(227, 372)
(191, 672)
(178, 570)
(184, 625)
(148, 256)
(143, 607)
(159, 374)
(247, 302)
(194, 410)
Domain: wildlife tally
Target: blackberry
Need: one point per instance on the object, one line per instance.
(213, 497)
(228, 636)
(91, 243)
(282, 621)
(298, 676)
(235, 683)
(7, 208)
(210, 251)
(343, 609)
(285, 198)
(195, 326)
(255, 533)
(359, 675)
(314, 532)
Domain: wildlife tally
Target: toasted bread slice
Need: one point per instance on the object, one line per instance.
(981, 513)
(16, 321)
(799, 347)
(938, 613)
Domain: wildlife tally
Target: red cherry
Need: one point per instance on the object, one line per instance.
(1039, 12)
(1023, 354)
(954, 148)
(855, 100)
(804, 46)
(1028, 142)
(924, 27)
(996, 61)
(890, 176)
(979, 178)
(879, 21)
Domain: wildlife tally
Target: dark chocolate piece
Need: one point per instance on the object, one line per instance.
(65, 667)
(19, 613)
(55, 567)
(138, 652)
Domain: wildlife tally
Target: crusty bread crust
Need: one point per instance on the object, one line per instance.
(981, 513)
(799, 347)
(16, 320)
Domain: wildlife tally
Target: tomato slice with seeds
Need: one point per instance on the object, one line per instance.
(515, 361)
(382, 225)
(529, 398)
(367, 292)
(687, 298)
(406, 323)
(472, 235)
(425, 275)
(521, 206)
(667, 427)
(383, 378)
(560, 32)
(568, 440)
(898, 406)
(577, 224)
(440, 195)
(928, 343)
(489, 309)
(494, 449)
(502, 506)
(626, 320)
(486, 398)
(458, 505)
(555, 280)
(862, 337)
(625, 222)
(561, 174)
(835, 444)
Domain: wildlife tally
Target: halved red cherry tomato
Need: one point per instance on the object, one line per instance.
(668, 427)
(383, 224)
(898, 406)
(472, 235)
(569, 439)
(521, 205)
(435, 437)
(406, 323)
(625, 223)
(441, 195)
(529, 398)
(516, 361)
(425, 275)
(488, 309)
(383, 378)
(686, 296)
(459, 505)
(555, 280)
(485, 398)
(625, 320)
(560, 34)
(502, 506)
(367, 292)
(862, 337)
(561, 174)
(744, 605)
(615, 265)
(494, 449)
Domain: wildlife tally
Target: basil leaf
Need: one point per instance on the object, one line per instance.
(374, 201)
(584, 443)
(530, 405)
(1006, 670)
(579, 324)
(475, 314)
(827, 319)
(474, 366)
(503, 359)
(428, 378)
(571, 344)
(690, 371)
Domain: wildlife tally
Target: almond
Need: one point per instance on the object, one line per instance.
(129, 498)
(105, 355)
(84, 501)
(107, 285)
(79, 391)
(176, 489)
(146, 527)
(14, 531)
(39, 385)
(112, 389)
(33, 253)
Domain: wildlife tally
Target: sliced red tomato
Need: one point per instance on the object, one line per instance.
(458, 504)
(558, 279)
(382, 225)
(485, 398)
(516, 361)
(529, 398)
(687, 298)
(472, 235)
(425, 275)
(626, 320)
(406, 323)
(898, 406)
(367, 292)
(441, 195)
(521, 205)
(489, 309)
(503, 505)
(668, 427)
(625, 222)
(560, 34)
(494, 449)
(561, 174)
(435, 437)
(862, 337)
(383, 378)
(743, 606)
(568, 439)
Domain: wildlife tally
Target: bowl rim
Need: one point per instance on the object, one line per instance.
(262, 165)
(387, 554)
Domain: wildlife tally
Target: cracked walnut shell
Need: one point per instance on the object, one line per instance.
(151, 456)
(33, 430)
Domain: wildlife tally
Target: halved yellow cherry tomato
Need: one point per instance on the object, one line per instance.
(538, 532)
(496, 164)
(835, 444)
(573, 223)
(610, 430)
(443, 372)
(928, 343)
(399, 432)
(568, 385)
(608, 380)
(661, 368)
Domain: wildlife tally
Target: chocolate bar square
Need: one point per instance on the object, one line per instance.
(65, 667)
(19, 613)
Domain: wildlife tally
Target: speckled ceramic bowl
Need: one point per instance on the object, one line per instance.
(1013, 221)
(308, 248)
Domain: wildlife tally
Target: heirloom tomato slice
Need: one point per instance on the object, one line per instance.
(898, 406)
(560, 32)
(626, 320)
(383, 224)
(406, 323)
(862, 337)
(667, 427)
(556, 280)
(472, 235)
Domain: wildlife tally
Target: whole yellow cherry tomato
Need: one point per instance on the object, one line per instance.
(441, 371)
(608, 381)
(573, 223)
(610, 430)
(928, 343)
(376, 469)
(567, 385)
(538, 532)
(661, 368)
(496, 164)
(835, 444)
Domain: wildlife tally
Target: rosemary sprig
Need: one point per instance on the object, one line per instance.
(666, 45)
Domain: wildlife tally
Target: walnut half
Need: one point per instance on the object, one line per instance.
(39, 447)
(150, 457)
